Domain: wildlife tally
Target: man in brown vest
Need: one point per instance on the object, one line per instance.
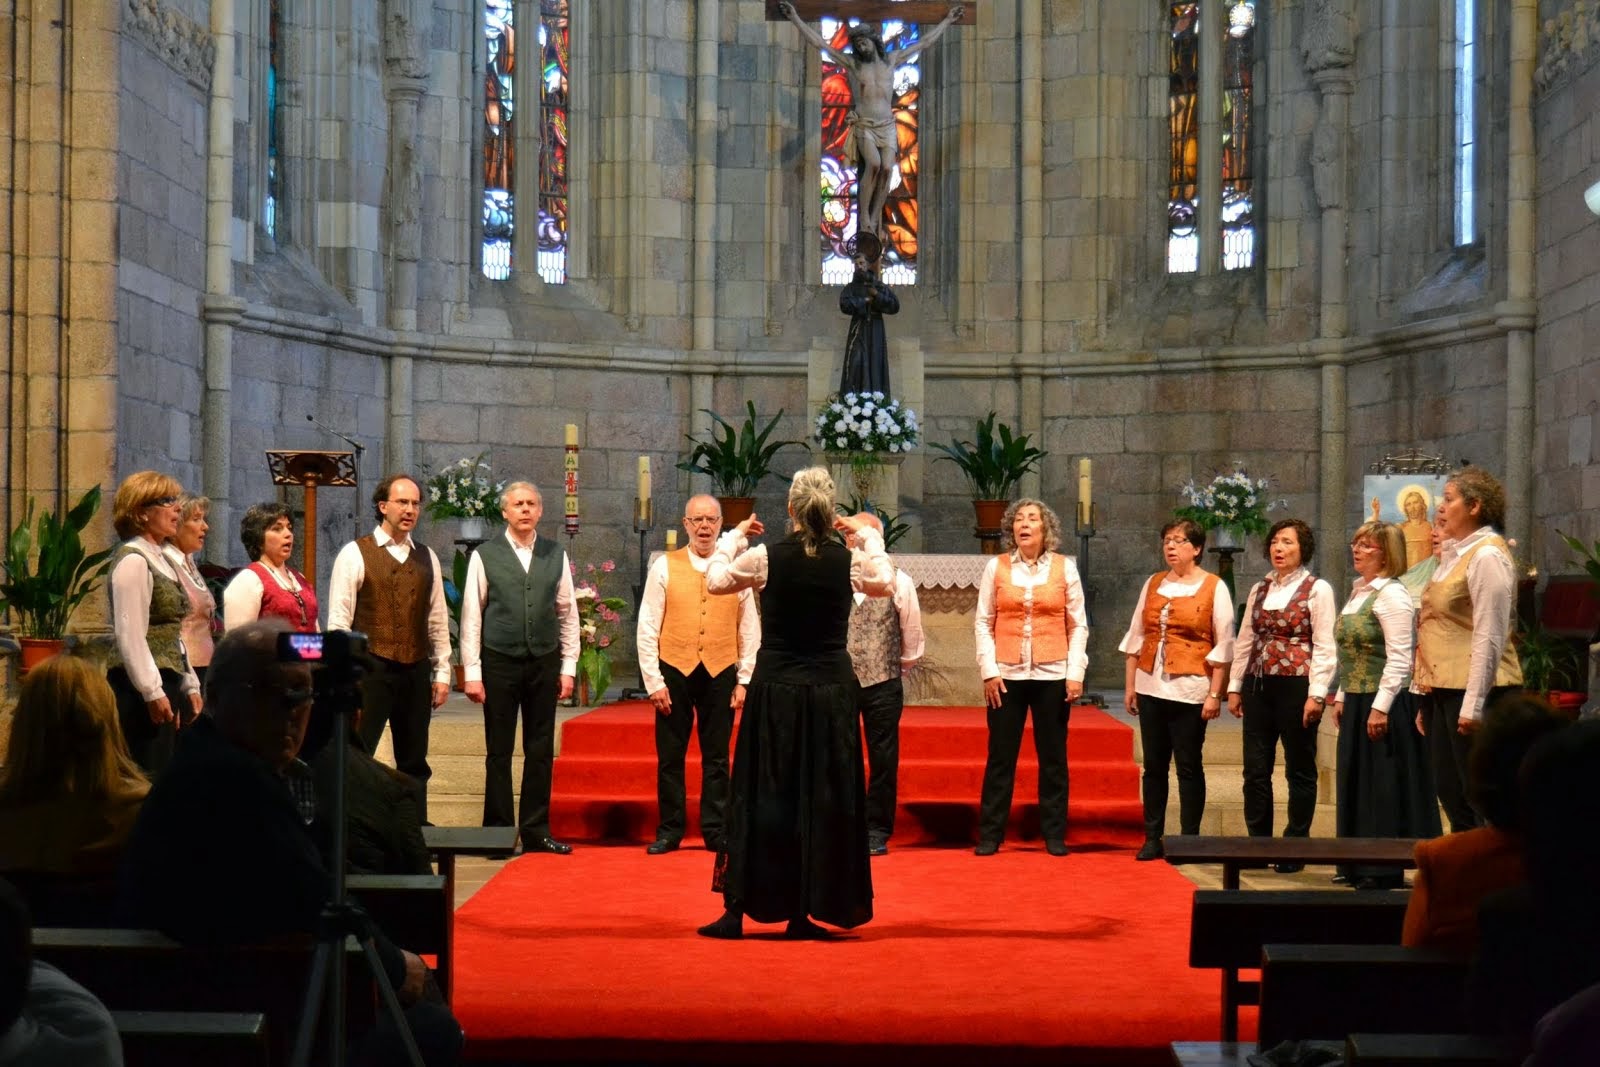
(885, 642)
(696, 654)
(390, 588)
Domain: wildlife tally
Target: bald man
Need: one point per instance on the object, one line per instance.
(885, 642)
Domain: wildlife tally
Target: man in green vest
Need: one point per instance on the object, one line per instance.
(519, 651)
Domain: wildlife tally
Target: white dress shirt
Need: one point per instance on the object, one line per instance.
(131, 589)
(1180, 688)
(909, 609)
(1397, 616)
(475, 596)
(734, 565)
(1027, 576)
(1492, 584)
(1324, 656)
(349, 571)
(653, 609)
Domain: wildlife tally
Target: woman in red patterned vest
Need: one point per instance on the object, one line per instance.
(269, 586)
(1283, 664)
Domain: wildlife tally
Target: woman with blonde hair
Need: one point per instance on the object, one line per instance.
(182, 547)
(157, 690)
(69, 791)
(797, 822)
(1031, 633)
(1385, 786)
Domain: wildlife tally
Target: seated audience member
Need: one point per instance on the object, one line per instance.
(1539, 943)
(383, 831)
(1568, 1033)
(1455, 872)
(221, 853)
(46, 1019)
(69, 791)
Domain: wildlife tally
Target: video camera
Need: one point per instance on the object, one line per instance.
(337, 649)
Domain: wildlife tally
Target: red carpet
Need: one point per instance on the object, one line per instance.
(605, 778)
(1020, 958)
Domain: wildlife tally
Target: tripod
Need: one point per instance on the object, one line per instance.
(337, 692)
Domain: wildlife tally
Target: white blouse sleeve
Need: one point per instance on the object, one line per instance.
(734, 566)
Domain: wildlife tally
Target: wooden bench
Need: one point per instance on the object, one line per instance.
(1212, 1053)
(1237, 853)
(1228, 927)
(197, 1038)
(1329, 991)
(448, 842)
(1427, 1050)
(416, 912)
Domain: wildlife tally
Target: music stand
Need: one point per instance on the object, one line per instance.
(309, 469)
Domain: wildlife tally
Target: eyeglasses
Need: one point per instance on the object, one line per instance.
(1169, 542)
(702, 520)
(1363, 546)
(162, 502)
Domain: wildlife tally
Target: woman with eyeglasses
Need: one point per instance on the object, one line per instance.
(269, 587)
(184, 546)
(157, 690)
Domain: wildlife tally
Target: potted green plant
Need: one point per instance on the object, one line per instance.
(48, 574)
(994, 462)
(465, 490)
(1547, 661)
(735, 458)
(453, 587)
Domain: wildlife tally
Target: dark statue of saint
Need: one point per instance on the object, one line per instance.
(866, 346)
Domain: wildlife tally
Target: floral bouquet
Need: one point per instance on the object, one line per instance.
(598, 619)
(1232, 500)
(868, 423)
(464, 490)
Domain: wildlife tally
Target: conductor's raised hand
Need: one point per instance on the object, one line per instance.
(785, 9)
(751, 527)
(850, 524)
(956, 11)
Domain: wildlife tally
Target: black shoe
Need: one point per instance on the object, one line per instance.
(1369, 884)
(1056, 848)
(546, 844)
(662, 845)
(728, 928)
(986, 848)
(877, 844)
(1288, 868)
(805, 930)
(1152, 850)
(716, 844)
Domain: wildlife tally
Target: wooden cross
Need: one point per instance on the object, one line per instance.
(919, 11)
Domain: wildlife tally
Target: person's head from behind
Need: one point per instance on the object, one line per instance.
(16, 954)
(811, 506)
(1560, 787)
(259, 704)
(65, 738)
(1511, 726)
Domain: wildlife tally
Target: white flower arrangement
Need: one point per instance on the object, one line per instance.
(464, 490)
(1231, 499)
(867, 424)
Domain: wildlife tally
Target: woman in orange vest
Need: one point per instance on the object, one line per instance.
(1179, 647)
(1465, 657)
(1031, 633)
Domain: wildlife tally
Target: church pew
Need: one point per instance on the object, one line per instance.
(416, 912)
(192, 1038)
(1228, 927)
(1329, 991)
(1237, 853)
(1427, 1050)
(66, 899)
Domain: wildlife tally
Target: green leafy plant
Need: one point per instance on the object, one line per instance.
(1232, 499)
(995, 461)
(1590, 556)
(893, 528)
(465, 489)
(43, 592)
(453, 586)
(1548, 662)
(735, 458)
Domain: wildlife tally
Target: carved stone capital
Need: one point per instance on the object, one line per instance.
(1568, 43)
(1329, 38)
(184, 45)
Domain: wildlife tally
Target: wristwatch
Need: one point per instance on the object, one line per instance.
(1213, 696)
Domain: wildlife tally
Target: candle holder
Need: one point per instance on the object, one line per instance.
(1085, 531)
(644, 524)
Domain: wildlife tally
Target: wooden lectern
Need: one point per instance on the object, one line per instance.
(310, 469)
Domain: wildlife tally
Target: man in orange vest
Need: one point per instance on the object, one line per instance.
(696, 654)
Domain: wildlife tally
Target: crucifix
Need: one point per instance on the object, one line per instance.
(870, 71)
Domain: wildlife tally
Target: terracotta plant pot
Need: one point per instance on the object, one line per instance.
(736, 509)
(35, 650)
(990, 514)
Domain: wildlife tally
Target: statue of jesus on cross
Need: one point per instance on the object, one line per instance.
(870, 71)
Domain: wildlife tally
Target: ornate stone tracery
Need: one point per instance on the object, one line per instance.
(184, 45)
(1569, 42)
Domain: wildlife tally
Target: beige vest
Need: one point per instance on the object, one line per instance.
(697, 627)
(1444, 631)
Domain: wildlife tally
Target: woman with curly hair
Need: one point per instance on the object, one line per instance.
(269, 587)
(796, 842)
(1031, 633)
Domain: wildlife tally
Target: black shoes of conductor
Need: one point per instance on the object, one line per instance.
(661, 846)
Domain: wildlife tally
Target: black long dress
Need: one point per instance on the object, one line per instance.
(797, 822)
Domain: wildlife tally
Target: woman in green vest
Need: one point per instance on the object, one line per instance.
(1385, 783)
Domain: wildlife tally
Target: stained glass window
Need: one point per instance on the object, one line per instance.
(1183, 188)
(555, 63)
(1238, 141)
(499, 136)
(269, 214)
(838, 172)
(1466, 230)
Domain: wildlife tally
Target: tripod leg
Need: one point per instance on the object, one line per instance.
(391, 1003)
(316, 985)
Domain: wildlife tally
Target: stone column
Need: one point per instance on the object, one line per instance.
(1518, 312)
(405, 69)
(221, 309)
(1030, 176)
(707, 25)
(1209, 224)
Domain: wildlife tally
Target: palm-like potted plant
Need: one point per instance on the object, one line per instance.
(48, 574)
(735, 458)
(994, 462)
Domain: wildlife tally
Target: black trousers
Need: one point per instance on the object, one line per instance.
(1048, 702)
(881, 706)
(528, 684)
(401, 696)
(149, 744)
(1448, 747)
(1274, 710)
(1172, 732)
(710, 699)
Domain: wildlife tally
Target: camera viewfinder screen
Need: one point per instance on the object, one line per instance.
(306, 646)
